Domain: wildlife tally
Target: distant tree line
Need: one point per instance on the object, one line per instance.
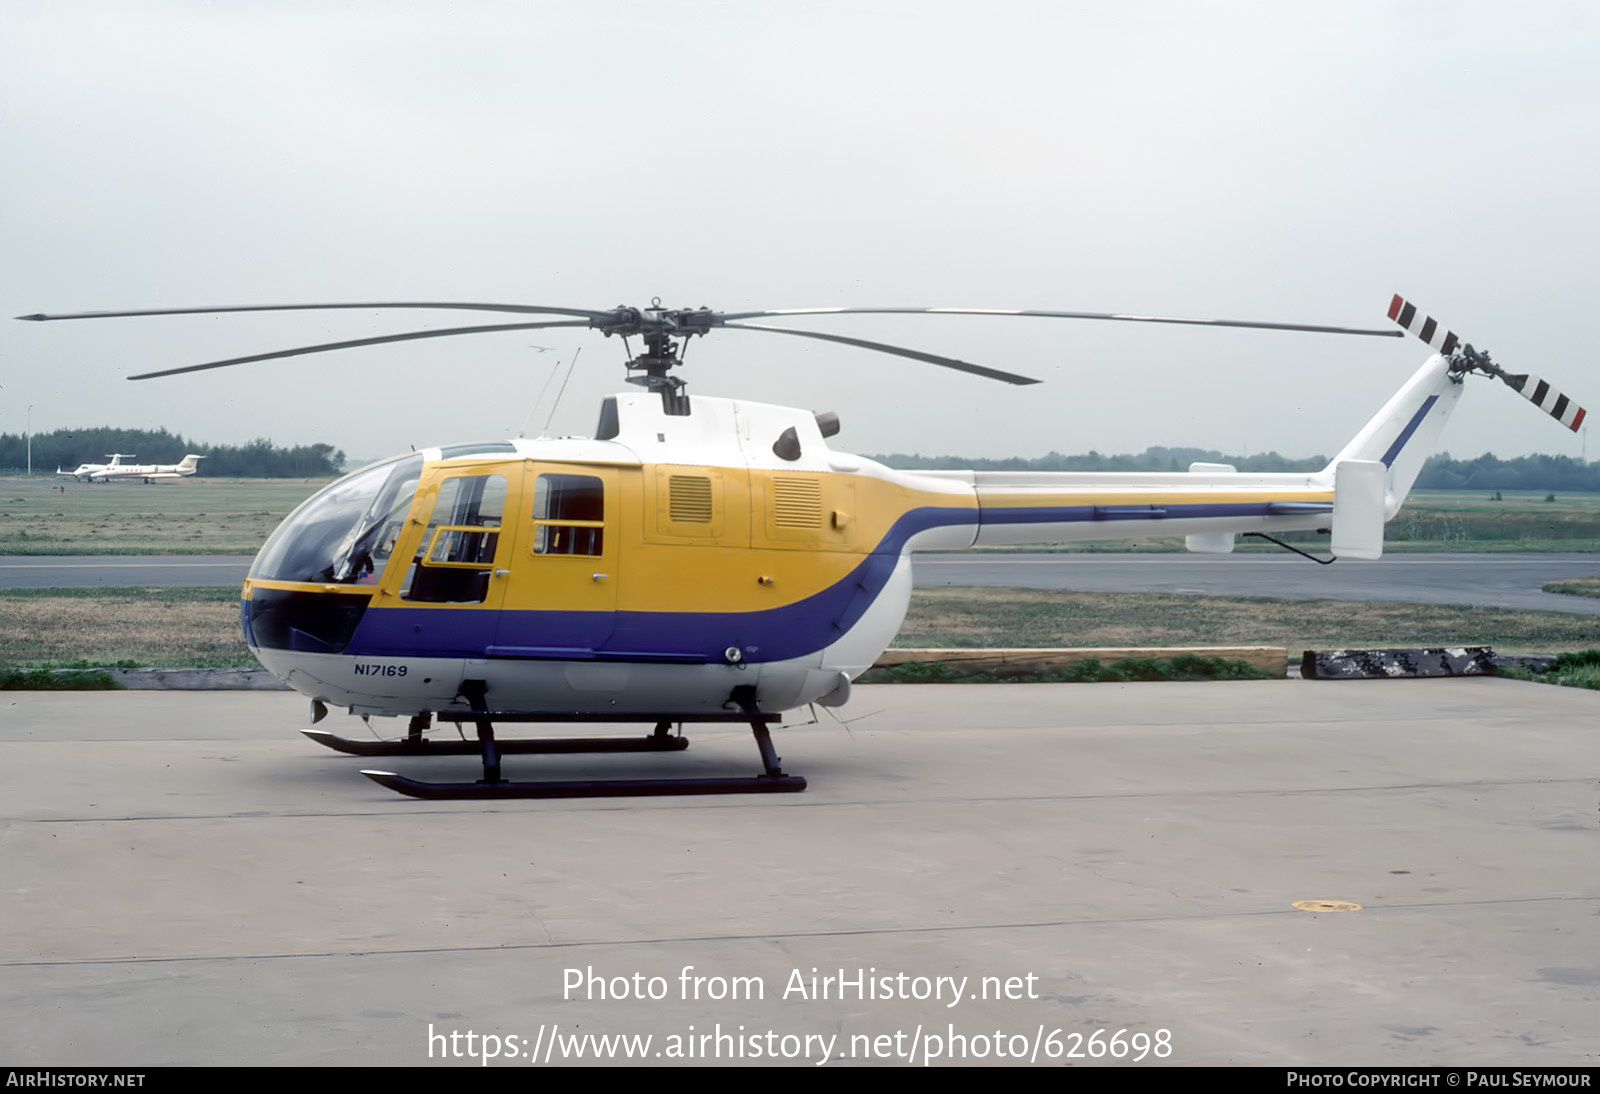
(1441, 472)
(260, 458)
(1488, 472)
(1158, 458)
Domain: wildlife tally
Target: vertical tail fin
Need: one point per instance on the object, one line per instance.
(1405, 432)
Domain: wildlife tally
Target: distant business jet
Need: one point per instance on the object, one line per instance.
(117, 471)
(88, 471)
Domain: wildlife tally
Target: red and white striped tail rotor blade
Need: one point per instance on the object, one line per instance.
(1407, 315)
(1536, 391)
(1548, 399)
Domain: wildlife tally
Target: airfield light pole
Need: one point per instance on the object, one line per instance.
(30, 440)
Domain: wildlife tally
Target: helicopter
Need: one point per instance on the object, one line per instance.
(706, 560)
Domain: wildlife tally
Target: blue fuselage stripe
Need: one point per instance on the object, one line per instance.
(774, 634)
(1405, 434)
(1070, 514)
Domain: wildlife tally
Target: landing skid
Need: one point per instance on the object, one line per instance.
(599, 788)
(659, 741)
(493, 785)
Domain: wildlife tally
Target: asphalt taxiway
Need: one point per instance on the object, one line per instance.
(1339, 873)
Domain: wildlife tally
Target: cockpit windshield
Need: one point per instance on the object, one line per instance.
(345, 533)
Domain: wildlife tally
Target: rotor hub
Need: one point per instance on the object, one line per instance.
(663, 331)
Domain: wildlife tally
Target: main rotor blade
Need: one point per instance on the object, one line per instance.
(521, 309)
(326, 346)
(1252, 324)
(915, 355)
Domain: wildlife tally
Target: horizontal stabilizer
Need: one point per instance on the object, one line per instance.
(1358, 508)
(1210, 543)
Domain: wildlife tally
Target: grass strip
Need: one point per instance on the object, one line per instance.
(123, 628)
(195, 516)
(1578, 586)
(46, 680)
(1186, 666)
(1030, 618)
(1579, 669)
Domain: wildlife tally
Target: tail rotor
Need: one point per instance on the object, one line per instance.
(1464, 359)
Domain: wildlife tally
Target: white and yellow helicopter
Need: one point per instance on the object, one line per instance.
(714, 560)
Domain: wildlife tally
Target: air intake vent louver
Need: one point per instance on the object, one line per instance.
(690, 499)
(797, 503)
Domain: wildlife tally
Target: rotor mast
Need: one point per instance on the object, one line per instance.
(662, 330)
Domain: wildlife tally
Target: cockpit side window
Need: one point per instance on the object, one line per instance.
(457, 553)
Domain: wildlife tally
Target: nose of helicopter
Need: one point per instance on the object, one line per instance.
(313, 579)
(302, 621)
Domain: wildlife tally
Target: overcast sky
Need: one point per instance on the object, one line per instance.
(1280, 161)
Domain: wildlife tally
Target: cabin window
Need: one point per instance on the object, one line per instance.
(569, 515)
(457, 553)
